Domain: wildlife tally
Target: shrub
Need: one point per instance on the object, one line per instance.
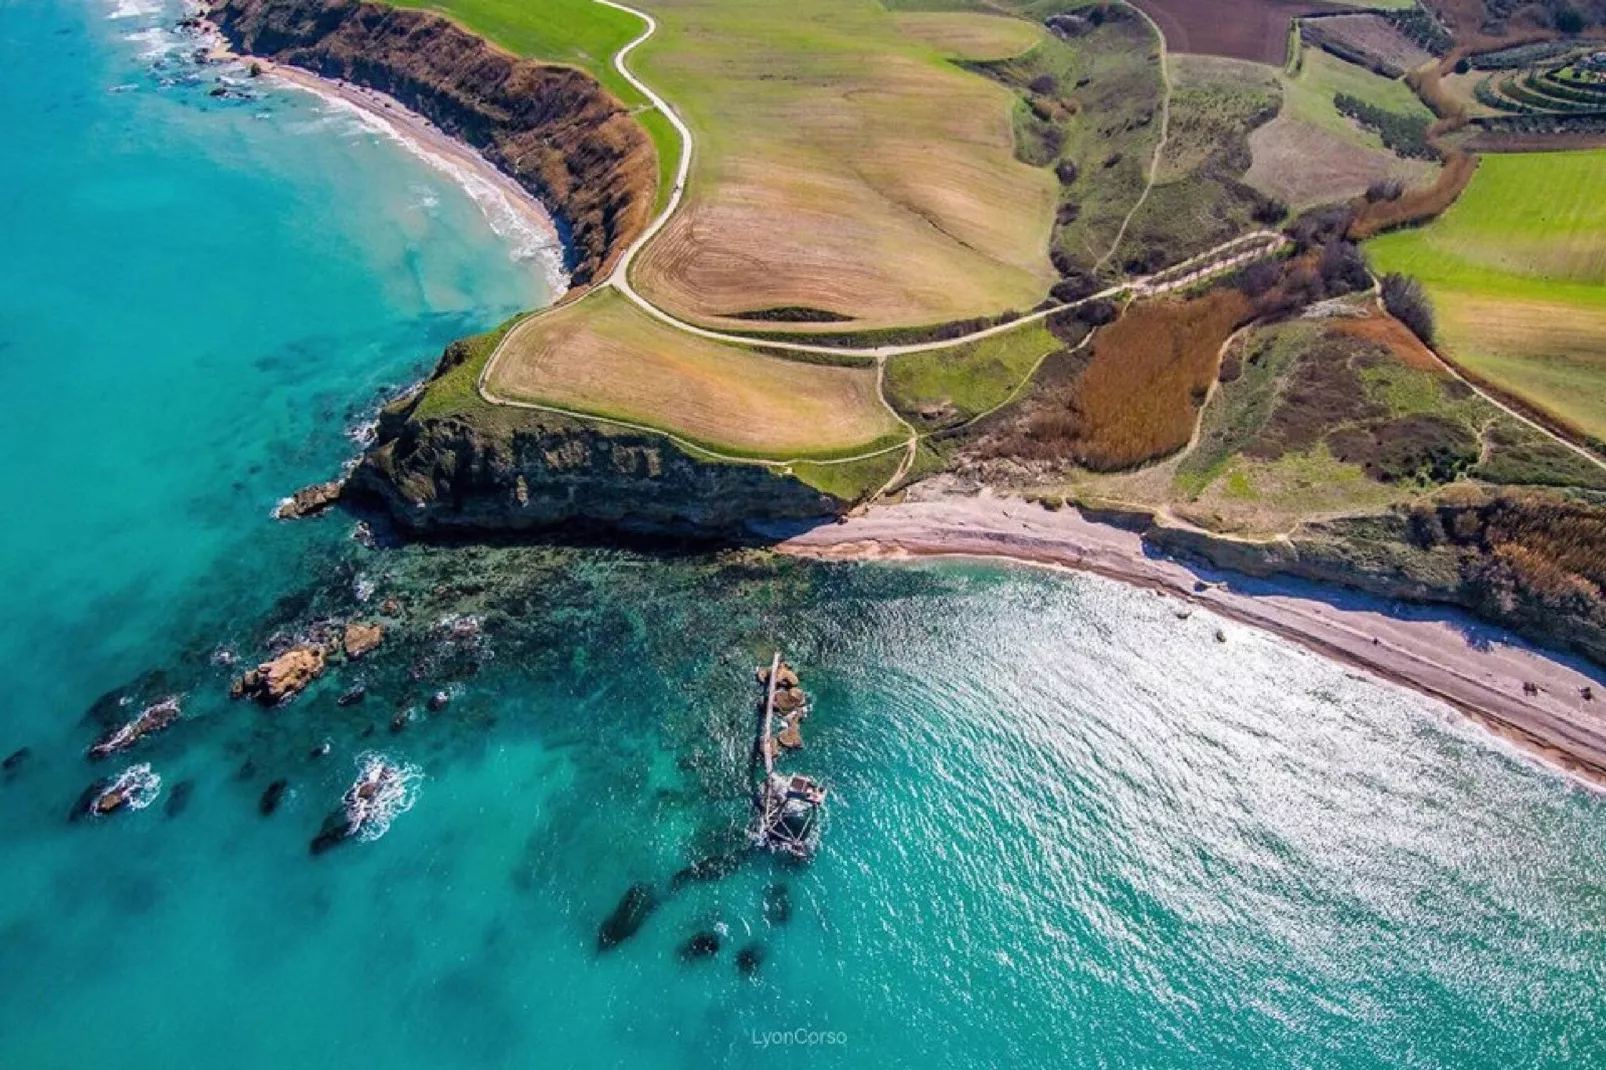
(1409, 303)
(1406, 135)
(1386, 189)
(1066, 172)
(1569, 20)
(1073, 287)
(1258, 278)
(1269, 211)
(1098, 313)
(1044, 85)
(1343, 269)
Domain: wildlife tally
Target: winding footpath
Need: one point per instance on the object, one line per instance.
(1225, 257)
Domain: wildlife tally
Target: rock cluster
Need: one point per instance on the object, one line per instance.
(284, 677)
(309, 501)
(152, 719)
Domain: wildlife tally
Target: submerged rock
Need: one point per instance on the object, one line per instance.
(152, 719)
(713, 868)
(439, 701)
(778, 904)
(336, 830)
(749, 959)
(309, 501)
(352, 697)
(702, 945)
(84, 805)
(272, 797)
(360, 638)
(16, 758)
(178, 800)
(284, 677)
(628, 917)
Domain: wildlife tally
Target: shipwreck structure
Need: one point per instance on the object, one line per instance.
(787, 806)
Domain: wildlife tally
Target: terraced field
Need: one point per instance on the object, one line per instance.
(1517, 269)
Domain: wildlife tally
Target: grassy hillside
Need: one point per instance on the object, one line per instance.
(577, 33)
(602, 356)
(1517, 270)
(1313, 153)
(843, 165)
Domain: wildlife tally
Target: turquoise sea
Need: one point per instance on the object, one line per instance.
(1066, 829)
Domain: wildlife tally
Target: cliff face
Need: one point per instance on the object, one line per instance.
(1531, 563)
(481, 469)
(553, 129)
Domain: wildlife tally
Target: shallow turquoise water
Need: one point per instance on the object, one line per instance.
(1067, 829)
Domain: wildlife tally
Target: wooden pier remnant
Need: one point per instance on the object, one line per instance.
(786, 806)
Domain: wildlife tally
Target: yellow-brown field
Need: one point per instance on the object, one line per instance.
(968, 35)
(841, 164)
(602, 356)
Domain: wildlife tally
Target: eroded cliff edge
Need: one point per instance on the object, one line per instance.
(555, 130)
(446, 461)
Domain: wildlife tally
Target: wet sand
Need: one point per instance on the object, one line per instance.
(1477, 668)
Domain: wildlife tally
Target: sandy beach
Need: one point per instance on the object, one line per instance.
(1474, 667)
(507, 204)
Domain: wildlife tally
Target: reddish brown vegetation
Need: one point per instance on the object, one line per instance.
(1243, 29)
(1388, 332)
(1416, 205)
(1140, 396)
(1533, 556)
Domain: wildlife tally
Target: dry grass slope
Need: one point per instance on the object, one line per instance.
(842, 165)
(602, 356)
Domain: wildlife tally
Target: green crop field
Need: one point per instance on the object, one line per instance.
(1517, 271)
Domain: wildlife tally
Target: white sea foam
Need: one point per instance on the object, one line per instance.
(156, 43)
(394, 797)
(527, 240)
(138, 785)
(134, 9)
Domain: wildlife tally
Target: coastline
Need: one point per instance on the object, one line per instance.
(1478, 669)
(486, 184)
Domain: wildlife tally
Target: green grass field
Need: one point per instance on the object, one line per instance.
(842, 163)
(1517, 271)
(1322, 76)
(576, 33)
(945, 387)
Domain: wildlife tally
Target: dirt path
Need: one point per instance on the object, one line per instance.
(1159, 148)
(1221, 258)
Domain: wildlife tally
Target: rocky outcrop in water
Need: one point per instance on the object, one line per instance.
(308, 501)
(554, 129)
(283, 678)
(152, 719)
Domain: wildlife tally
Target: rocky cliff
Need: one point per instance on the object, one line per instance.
(553, 129)
(468, 466)
(1533, 562)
